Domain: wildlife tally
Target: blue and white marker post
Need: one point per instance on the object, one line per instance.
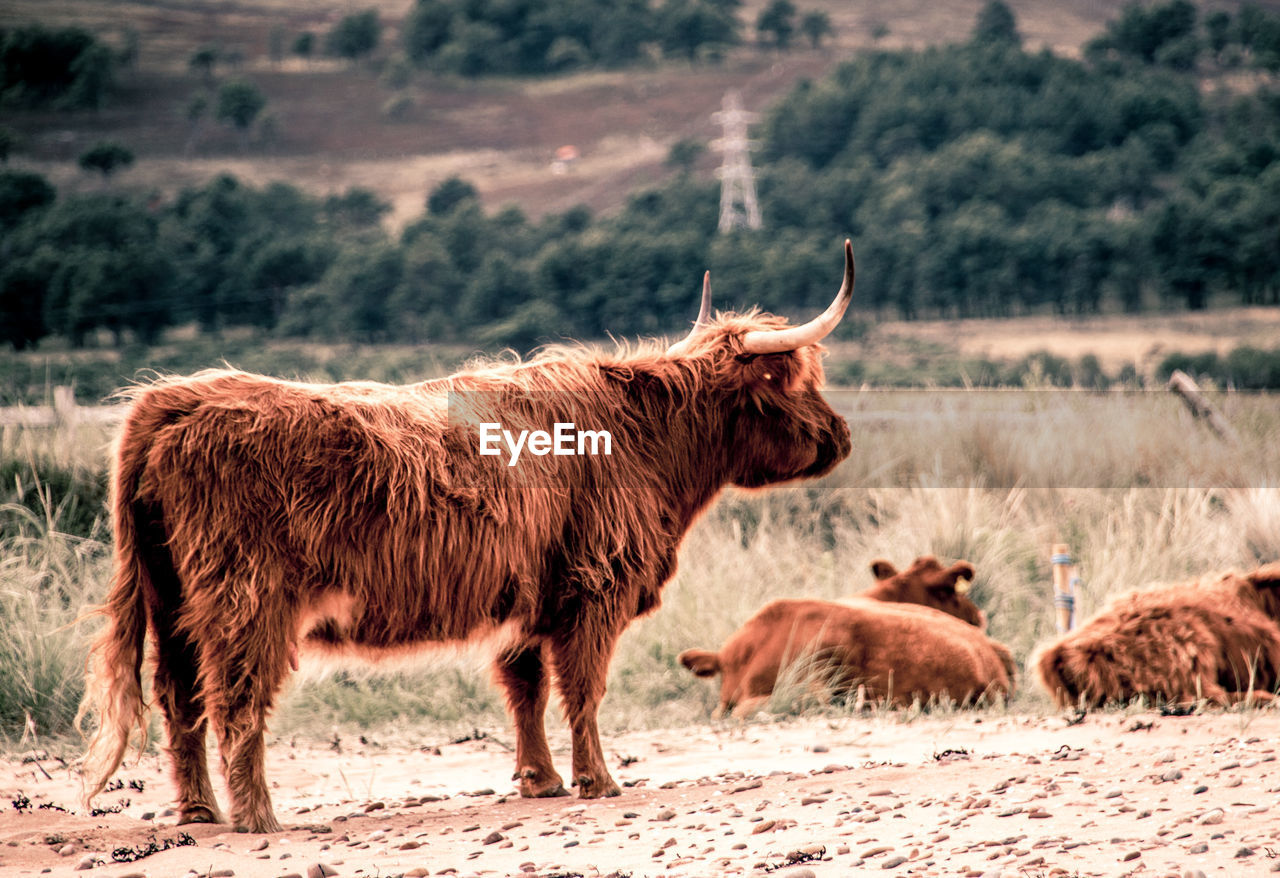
(1064, 587)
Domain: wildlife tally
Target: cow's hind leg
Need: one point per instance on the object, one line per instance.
(176, 686)
(582, 662)
(241, 674)
(175, 689)
(522, 671)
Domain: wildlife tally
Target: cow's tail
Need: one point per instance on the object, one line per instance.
(113, 699)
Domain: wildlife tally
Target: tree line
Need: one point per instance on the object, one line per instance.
(975, 179)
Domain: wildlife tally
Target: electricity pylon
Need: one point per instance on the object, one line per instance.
(738, 206)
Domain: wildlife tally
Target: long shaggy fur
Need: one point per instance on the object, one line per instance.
(257, 518)
(1213, 639)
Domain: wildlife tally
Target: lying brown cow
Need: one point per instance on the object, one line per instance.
(1217, 640)
(926, 582)
(896, 651)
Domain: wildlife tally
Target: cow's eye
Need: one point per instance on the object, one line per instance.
(768, 376)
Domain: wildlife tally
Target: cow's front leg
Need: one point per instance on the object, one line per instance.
(522, 671)
(582, 662)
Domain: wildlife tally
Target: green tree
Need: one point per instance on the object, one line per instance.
(428, 27)
(239, 103)
(355, 35)
(778, 19)
(684, 154)
(56, 68)
(106, 157)
(273, 271)
(304, 45)
(356, 208)
(816, 26)
(1143, 32)
(102, 265)
(204, 61)
(357, 289)
(20, 193)
(683, 27)
(996, 25)
(22, 292)
(450, 193)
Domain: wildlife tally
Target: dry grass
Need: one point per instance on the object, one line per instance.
(1116, 340)
(1139, 491)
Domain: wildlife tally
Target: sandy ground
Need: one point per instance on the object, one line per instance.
(961, 794)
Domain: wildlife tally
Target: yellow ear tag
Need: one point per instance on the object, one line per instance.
(963, 586)
(768, 376)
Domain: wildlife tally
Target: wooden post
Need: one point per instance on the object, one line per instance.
(1064, 599)
(1182, 384)
(64, 405)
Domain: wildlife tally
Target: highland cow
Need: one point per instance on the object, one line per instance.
(256, 520)
(1216, 640)
(900, 652)
(928, 583)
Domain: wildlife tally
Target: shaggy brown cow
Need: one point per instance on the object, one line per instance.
(256, 517)
(927, 583)
(1218, 640)
(899, 652)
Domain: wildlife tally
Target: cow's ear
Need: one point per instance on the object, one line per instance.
(961, 576)
(1266, 576)
(702, 662)
(882, 569)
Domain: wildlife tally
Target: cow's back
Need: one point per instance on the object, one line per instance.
(1179, 642)
(274, 490)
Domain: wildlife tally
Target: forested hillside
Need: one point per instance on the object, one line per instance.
(975, 179)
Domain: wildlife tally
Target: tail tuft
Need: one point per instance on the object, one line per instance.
(113, 682)
(702, 662)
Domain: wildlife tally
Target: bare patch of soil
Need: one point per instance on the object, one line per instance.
(955, 794)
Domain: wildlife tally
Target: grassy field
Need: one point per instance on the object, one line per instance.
(1140, 492)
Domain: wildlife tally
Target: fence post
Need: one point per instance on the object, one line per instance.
(64, 405)
(1064, 582)
(1185, 387)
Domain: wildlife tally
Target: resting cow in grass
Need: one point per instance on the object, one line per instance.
(1212, 639)
(256, 520)
(928, 583)
(900, 652)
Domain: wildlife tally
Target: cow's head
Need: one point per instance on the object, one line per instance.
(776, 423)
(1266, 579)
(928, 583)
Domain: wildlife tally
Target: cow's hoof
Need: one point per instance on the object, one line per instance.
(199, 814)
(590, 788)
(530, 788)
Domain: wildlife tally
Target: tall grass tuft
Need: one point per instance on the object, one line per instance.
(48, 581)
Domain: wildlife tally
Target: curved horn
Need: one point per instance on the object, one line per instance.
(704, 317)
(772, 341)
